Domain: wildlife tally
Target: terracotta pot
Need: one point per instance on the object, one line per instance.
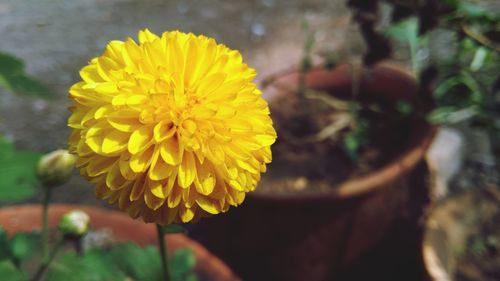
(311, 237)
(450, 226)
(28, 218)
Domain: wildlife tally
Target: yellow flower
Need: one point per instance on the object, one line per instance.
(170, 129)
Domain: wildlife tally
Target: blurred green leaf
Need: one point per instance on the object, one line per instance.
(95, 265)
(441, 114)
(123, 262)
(355, 139)
(14, 78)
(23, 245)
(4, 245)
(9, 272)
(182, 263)
(472, 10)
(406, 32)
(476, 94)
(17, 172)
(444, 87)
(10, 65)
(138, 263)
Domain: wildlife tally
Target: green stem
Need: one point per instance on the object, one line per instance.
(163, 252)
(46, 263)
(45, 223)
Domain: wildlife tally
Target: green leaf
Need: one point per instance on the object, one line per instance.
(14, 78)
(17, 172)
(355, 139)
(23, 245)
(10, 65)
(123, 262)
(174, 228)
(406, 32)
(141, 264)
(26, 85)
(8, 271)
(95, 265)
(182, 263)
(4, 245)
(472, 10)
(476, 95)
(444, 87)
(440, 115)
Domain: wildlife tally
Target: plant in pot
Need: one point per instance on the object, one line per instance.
(171, 129)
(459, 242)
(348, 166)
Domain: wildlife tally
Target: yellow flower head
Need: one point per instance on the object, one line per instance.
(170, 129)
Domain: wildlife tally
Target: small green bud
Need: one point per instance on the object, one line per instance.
(55, 167)
(74, 224)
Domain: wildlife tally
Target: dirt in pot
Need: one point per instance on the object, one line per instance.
(330, 140)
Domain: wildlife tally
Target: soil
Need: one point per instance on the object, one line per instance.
(480, 260)
(301, 165)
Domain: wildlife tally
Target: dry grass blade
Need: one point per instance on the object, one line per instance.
(341, 121)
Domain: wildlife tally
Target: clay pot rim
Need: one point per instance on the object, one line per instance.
(370, 182)
(145, 233)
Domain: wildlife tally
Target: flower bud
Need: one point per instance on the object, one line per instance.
(55, 167)
(74, 224)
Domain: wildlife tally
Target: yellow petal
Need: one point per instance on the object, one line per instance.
(189, 127)
(187, 170)
(125, 169)
(140, 140)
(146, 36)
(175, 197)
(163, 131)
(125, 124)
(89, 74)
(136, 100)
(137, 189)
(211, 83)
(141, 161)
(159, 170)
(152, 201)
(114, 179)
(106, 88)
(209, 205)
(170, 151)
(99, 165)
(265, 140)
(186, 214)
(115, 141)
(157, 189)
(204, 181)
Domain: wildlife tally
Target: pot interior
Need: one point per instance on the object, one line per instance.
(301, 166)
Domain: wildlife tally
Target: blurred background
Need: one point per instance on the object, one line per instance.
(57, 38)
